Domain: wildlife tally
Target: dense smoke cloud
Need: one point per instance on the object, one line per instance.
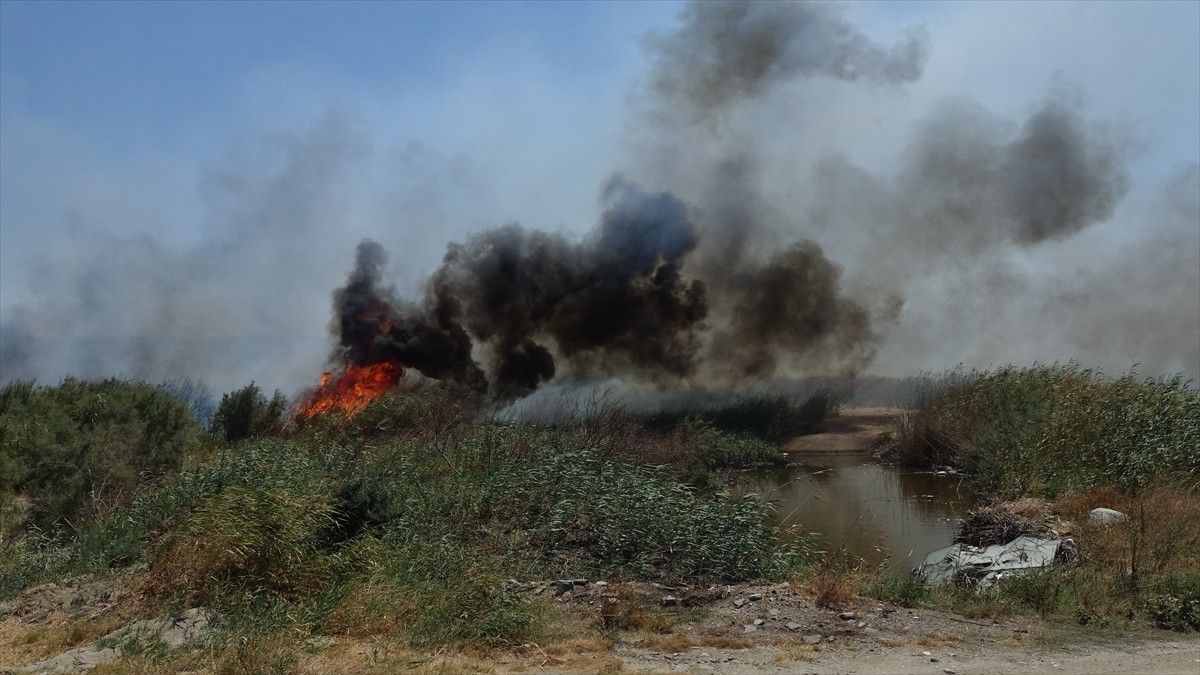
(736, 242)
(617, 304)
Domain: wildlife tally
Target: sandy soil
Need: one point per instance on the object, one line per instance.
(883, 639)
(854, 430)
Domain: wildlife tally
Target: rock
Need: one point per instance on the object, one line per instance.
(601, 584)
(812, 639)
(756, 596)
(750, 628)
(933, 659)
(563, 586)
(861, 624)
(580, 582)
(740, 603)
(759, 622)
(947, 671)
(774, 612)
(670, 601)
(318, 642)
(792, 625)
(848, 616)
(172, 631)
(1106, 516)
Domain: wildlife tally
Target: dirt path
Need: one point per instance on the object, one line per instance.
(854, 430)
(794, 635)
(1177, 656)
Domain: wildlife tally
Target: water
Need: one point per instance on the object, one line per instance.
(878, 512)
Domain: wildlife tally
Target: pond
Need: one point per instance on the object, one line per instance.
(879, 512)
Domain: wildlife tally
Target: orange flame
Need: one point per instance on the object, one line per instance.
(350, 390)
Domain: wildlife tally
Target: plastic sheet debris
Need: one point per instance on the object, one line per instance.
(985, 565)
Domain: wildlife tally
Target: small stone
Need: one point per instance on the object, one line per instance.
(774, 612)
(926, 653)
(756, 596)
(750, 628)
(1106, 516)
(933, 660)
(670, 601)
(759, 622)
(862, 624)
(947, 671)
(563, 586)
(318, 641)
(812, 639)
(848, 616)
(601, 584)
(580, 582)
(740, 603)
(792, 625)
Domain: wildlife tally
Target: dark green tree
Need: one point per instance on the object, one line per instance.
(247, 413)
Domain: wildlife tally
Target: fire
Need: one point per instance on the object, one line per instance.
(350, 390)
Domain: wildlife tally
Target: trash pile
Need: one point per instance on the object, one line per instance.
(998, 541)
(984, 566)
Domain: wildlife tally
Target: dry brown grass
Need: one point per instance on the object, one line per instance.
(1077, 505)
(938, 640)
(673, 643)
(833, 589)
(22, 643)
(889, 642)
(629, 611)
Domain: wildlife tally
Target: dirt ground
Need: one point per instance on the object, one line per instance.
(766, 628)
(796, 636)
(853, 430)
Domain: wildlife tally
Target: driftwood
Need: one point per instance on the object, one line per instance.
(1001, 523)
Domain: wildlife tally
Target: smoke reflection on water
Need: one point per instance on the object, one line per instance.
(875, 511)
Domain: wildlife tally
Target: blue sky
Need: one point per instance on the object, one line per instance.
(176, 124)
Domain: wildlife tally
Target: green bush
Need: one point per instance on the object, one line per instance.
(246, 413)
(775, 418)
(1050, 430)
(79, 449)
(1176, 605)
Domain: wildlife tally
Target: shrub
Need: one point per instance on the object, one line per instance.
(246, 413)
(80, 448)
(1051, 430)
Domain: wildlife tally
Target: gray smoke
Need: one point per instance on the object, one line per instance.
(732, 246)
(726, 51)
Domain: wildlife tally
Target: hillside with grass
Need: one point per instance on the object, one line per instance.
(427, 522)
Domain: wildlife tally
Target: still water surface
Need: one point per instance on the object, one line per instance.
(879, 512)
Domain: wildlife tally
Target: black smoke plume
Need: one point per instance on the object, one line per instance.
(534, 306)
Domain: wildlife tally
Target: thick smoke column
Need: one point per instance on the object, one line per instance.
(371, 331)
(619, 303)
